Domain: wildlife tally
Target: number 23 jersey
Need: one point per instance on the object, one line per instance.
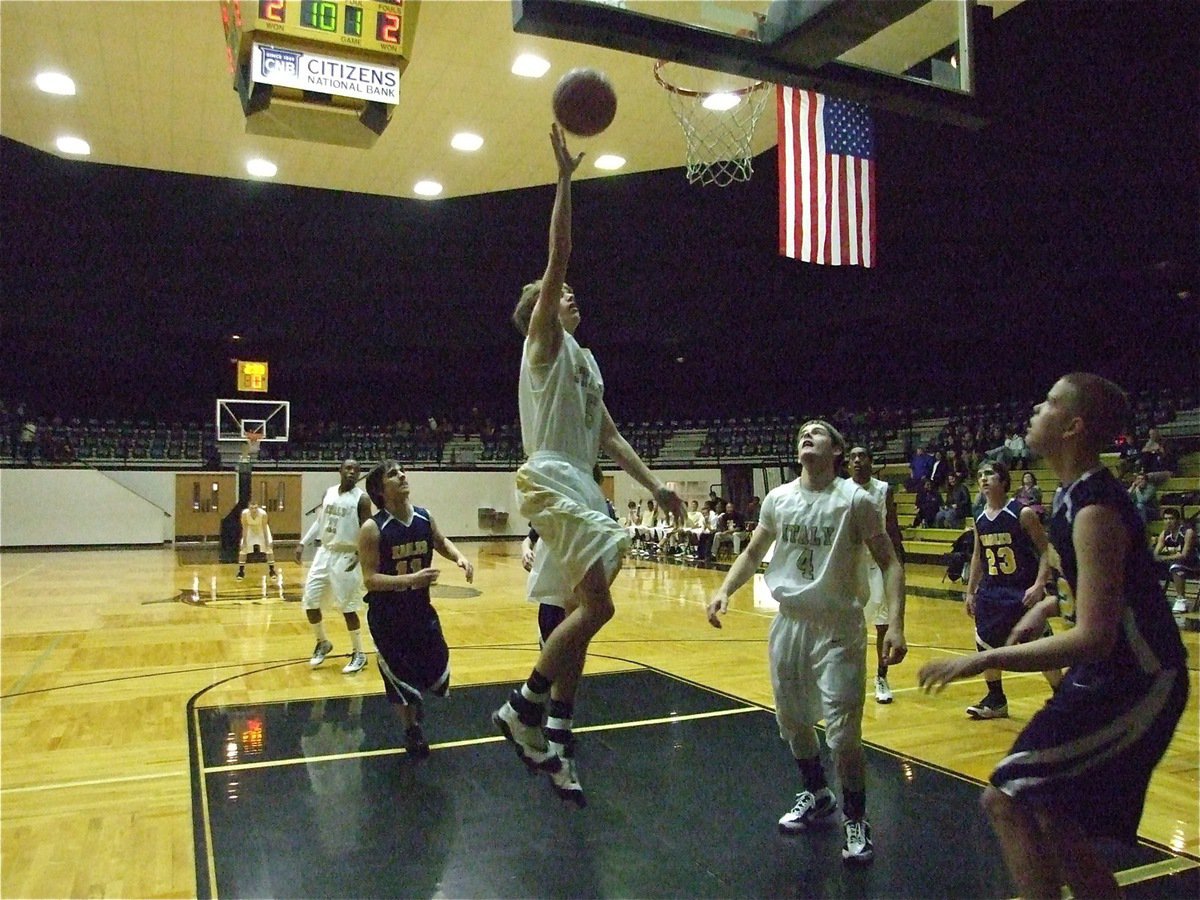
(1010, 560)
(818, 536)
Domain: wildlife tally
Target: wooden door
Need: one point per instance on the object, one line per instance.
(202, 499)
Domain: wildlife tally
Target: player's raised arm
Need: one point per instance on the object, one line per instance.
(622, 453)
(446, 548)
(545, 329)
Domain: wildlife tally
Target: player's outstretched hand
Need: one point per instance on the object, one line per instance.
(527, 559)
(937, 674)
(895, 648)
(465, 565)
(567, 164)
(717, 606)
(299, 552)
(1033, 623)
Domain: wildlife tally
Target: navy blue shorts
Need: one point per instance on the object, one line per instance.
(997, 612)
(549, 618)
(413, 656)
(1088, 753)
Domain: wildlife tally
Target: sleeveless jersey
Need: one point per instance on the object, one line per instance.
(254, 529)
(339, 515)
(1147, 637)
(818, 545)
(560, 404)
(403, 550)
(877, 490)
(1010, 560)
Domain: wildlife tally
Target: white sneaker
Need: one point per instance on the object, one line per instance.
(810, 809)
(358, 661)
(528, 740)
(857, 847)
(565, 781)
(322, 650)
(883, 693)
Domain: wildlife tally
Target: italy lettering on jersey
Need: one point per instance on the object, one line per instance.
(339, 511)
(819, 536)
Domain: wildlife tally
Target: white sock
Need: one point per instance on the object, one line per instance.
(356, 640)
(319, 630)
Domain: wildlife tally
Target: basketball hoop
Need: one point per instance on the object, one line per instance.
(253, 444)
(718, 123)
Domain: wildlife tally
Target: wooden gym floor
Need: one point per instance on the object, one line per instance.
(162, 735)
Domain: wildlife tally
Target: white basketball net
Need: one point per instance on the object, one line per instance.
(718, 140)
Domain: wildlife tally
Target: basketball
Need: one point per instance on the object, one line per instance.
(585, 102)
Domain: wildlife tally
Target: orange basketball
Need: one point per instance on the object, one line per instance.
(585, 102)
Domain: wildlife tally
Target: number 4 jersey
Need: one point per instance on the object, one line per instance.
(818, 535)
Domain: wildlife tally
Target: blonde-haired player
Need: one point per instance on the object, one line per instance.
(256, 537)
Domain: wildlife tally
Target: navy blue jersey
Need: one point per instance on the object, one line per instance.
(1010, 560)
(1147, 638)
(403, 550)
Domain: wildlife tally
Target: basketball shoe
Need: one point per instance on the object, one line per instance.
(322, 650)
(989, 708)
(810, 809)
(565, 781)
(857, 847)
(528, 740)
(358, 661)
(883, 691)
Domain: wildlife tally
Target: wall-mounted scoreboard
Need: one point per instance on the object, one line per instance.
(319, 70)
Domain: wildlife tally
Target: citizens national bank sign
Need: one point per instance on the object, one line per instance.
(324, 74)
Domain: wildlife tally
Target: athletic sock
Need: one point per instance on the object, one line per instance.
(812, 773)
(531, 699)
(559, 721)
(319, 630)
(356, 640)
(855, 804)
(995, 689)
(881, 672)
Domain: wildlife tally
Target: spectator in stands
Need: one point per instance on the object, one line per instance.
(941, 469)
(1031, 495)
(1156, 459)
(1176, 555)
(1145, 497)
(752, 509)
(958, 466)
(697, 530)
(956, 505)
(28, 438)
(731, 530)
(920, 467)
(929, 502)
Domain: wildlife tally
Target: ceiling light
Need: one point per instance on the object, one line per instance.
(427, 188)
(529, 66)
(55, 83)
(464, 140)
(609, 161)
(73, 145)
(261, 168)
(721, 102)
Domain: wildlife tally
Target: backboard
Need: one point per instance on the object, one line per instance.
(915, 57)
(270, 418)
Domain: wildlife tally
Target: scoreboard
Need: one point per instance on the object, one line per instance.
(321, 58)
(359, 26)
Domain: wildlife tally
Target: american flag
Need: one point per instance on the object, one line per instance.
(826, 179)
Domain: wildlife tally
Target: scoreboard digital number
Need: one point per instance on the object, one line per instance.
(251, 376)
(377, 26)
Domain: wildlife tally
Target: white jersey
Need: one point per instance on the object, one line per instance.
(339, 519)
(877, 490)
(560, 404)
(818, 541)
(255, 530)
